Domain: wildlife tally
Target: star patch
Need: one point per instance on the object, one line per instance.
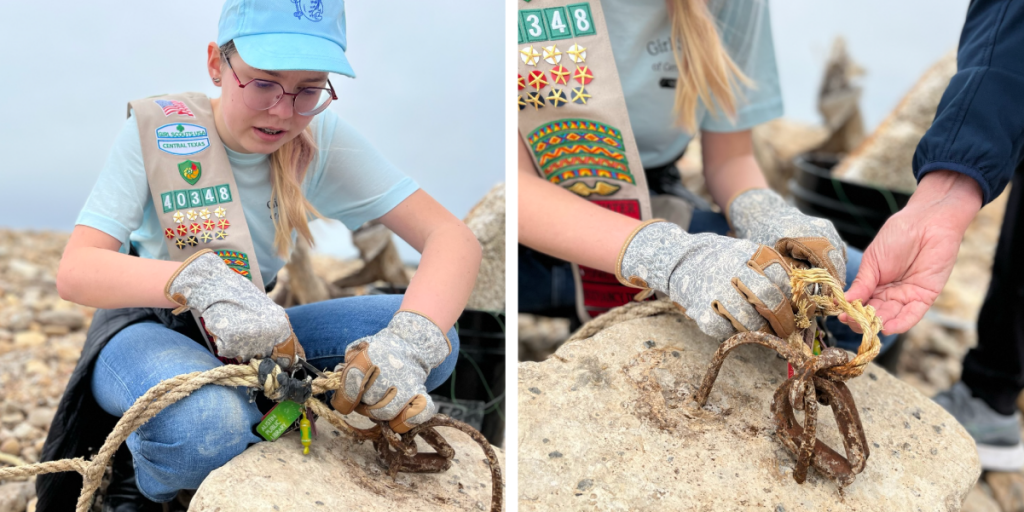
(220, 212)
(522, 104)
(221, 235)
(204, 213)
(536, 100)
(557, 97)
(552, 55)
(537, 79)
(579, 95)
(192, 241)
(178, 217)
(169, 233)
(223, 224)
(180, 243)
(208, 224)
(577, 53)
(195, 228)
(529, 56)
(583, 75)
(192, 215)
(206, 237)
(521, 83)
(183, 230)
(560, 75)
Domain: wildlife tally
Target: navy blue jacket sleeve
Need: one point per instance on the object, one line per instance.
(979, 124)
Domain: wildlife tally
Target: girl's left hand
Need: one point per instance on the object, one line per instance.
(384, 375)
(763, 216)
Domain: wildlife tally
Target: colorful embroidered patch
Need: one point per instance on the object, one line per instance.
(182, 138)
(205, 238)
(560, 75)
(221, 235)
(204, 214)
(191, 171)
(601, 188)
(529, 56)
(223, 224)
(580, 148)
(583, 75)
(195, 228)
(223, 193)
(167, 200)
(237, 261)
(522, 104)
(521, 83)
(178, 217)
(180, 199)
(535, 100)
(192, 241)
(208, 224)
(180, 243)
(169, 233)
(182, 230)
(220, 212)
(172, 107)
(537, 79)
(191, 215)
(579, 95)
(552, 55)
(577, 53)
(557, 97)
(581, 20)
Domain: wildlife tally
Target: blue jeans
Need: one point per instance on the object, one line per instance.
(182, 444)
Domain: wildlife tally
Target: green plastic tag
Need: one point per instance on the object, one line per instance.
(278, 419)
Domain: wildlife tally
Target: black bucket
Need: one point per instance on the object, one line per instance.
(857, 211)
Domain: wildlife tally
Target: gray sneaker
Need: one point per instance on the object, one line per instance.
(997, 436)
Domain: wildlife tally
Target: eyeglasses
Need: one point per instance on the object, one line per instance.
(264, 94)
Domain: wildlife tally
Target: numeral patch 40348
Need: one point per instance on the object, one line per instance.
(181, 199)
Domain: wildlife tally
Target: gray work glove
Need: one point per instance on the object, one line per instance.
(243, 321)
(763, 217)
(383, 375)
(724, 284)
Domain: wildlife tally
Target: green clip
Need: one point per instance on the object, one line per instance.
(278, 419)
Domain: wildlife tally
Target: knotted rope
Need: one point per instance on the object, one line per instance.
(175, 388)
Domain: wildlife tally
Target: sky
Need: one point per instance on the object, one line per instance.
(429, 92)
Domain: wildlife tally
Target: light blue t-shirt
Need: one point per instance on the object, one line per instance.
(349, 181)
(640, 32)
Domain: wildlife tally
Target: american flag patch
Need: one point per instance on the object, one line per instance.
(174, 107)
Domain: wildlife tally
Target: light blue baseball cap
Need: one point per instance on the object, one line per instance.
(280, 35)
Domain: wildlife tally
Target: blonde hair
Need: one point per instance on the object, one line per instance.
(706, 71)
(288, 166)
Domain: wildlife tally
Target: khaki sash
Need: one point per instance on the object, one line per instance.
(192, 184)
(573, 118)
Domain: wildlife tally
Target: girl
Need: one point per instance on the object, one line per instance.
(169, 191)
(676, 58)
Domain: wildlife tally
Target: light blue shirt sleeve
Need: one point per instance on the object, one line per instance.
(746, 32)
(353, 182)
(115, 205)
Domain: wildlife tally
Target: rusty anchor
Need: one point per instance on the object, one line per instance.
(816, 380)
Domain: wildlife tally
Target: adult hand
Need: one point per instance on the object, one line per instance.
(909, 261)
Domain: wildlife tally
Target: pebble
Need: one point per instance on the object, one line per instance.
(35, 366)
(11, 446)
(41, 418)
(25, 431)
(71, 319)
(13, 418)
(14, 496)
(29, 339)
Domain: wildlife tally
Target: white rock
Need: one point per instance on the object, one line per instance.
(607, 423)
(41, 417)
(14, 496)
(25, 431)
(339, 474)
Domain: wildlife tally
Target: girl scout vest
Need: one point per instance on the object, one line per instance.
(191, 182)
(572, 116)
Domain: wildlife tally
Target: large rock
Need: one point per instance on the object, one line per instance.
(487, 221)
(608, 423)
(340, 474)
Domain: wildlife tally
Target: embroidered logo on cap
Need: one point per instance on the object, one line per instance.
(182, 138)
(191, 171)
(312, 10)
(172, 107)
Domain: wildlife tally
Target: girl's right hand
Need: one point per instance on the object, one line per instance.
(244, 322)
(726, 285)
